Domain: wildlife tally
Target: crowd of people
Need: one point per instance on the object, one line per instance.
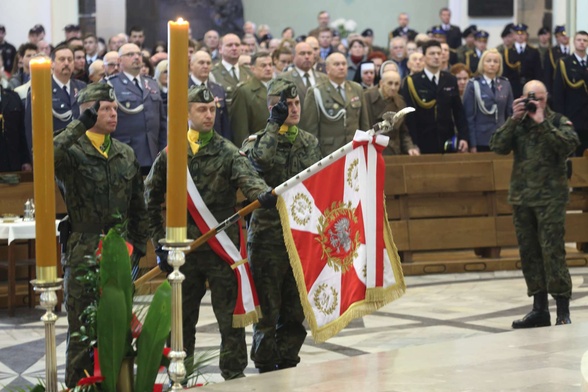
(287, 102)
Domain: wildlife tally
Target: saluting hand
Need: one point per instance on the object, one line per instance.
(279, 112)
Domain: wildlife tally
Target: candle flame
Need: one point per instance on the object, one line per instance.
(40, 60)
(180, 20)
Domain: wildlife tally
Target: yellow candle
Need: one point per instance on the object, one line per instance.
(177, 142)
(43, 169)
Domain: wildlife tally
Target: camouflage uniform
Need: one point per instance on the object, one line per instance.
(218, 170)
(279, 335)
(539, 193)
(96, 190)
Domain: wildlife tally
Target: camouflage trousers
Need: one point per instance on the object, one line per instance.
(77, 353)
(200, 267)
(279, 335)
(540, 233)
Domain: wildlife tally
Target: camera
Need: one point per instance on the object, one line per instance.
(530, 107)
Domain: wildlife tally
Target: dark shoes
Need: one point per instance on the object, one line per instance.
(538, 317)
(563, 311)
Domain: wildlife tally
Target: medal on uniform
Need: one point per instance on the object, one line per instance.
(336, 106)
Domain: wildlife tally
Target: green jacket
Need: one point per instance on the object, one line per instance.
(98, 191)
(327, 122)
(249, 111)
(221, 76)
(277, 160)
(218, 170)
(540, 153)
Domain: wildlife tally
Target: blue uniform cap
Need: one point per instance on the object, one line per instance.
(560, 30)
(481, 35)
(520, 28)
(438, 31)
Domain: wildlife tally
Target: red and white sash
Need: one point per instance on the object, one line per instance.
(247, 310)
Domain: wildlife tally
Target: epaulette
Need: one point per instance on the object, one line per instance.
(111, 77)
(239, 84)
(502, 78)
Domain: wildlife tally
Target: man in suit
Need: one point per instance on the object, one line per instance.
(403, 30)
(91, 48)
(211, 41)
(302, 74)
(249, 106)
(385, 98)
(325, 37)
(397, 49)
(335, 109)
(65, 91)
(522, 62)
(554, 54)
(569, 89)
(142, 121)
(227, 72)
(439, 111)
(452, 32)
(200, 65)
(323, 19)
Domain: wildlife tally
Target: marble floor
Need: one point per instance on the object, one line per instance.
(449, 332)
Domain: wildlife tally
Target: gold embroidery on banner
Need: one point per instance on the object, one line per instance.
(323, 302)
(301, 209)
(353, 175)
(339, 236)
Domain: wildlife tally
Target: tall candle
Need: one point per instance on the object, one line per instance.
(43, 170)
(177, 142)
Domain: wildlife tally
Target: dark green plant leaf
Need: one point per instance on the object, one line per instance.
(155, 332)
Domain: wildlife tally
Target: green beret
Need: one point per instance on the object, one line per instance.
(96, 92)
(200, 94)
(277, 86)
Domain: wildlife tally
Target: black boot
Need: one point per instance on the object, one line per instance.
(538, 317)
(563, 311)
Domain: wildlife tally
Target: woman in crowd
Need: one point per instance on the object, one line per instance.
(159, 47)
(146, 66)
(463, 74)
(487, 101)
(378, 58)
(355, 56)
(365, 74)
(161, 79)
(288, 33)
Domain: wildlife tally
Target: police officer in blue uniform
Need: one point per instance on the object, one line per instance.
(65, 91)
(142, 121)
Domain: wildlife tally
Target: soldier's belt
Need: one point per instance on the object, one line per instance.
(91, 227)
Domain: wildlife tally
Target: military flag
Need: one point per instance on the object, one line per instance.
(338, 238)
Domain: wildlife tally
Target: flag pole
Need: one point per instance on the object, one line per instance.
(390, 120)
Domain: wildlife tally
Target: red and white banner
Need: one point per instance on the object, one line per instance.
(247, 310)
(338, 238)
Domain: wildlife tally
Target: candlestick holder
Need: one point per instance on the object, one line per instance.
(48, 301)
(176, 243)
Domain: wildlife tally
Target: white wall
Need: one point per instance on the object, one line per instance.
(109, 23)
(380, 15)
(19, 16)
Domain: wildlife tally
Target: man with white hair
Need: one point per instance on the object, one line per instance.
(96, 71)
(110, 63)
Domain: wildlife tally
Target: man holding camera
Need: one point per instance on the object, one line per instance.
(541, 140)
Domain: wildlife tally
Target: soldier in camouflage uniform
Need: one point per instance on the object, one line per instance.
(217, 170)
(279, 152)
(101, 184)
(541, 140)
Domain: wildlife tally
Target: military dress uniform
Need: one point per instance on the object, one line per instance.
(570, 95)
(99, 192)
(8, 52)
(248, 109)
(13, 144)
(410, 34)
(142, 121)
(439, 111)
(64, 105)
(332, 118)
(400, 140)
(222, 125)
(539, 192)
(520, 68)
(277, 153)
(294, 76)
(218, 170)
(550, 63)
(229, 83)
(486, 109)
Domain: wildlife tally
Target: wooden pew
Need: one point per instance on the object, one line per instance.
(459, 201)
